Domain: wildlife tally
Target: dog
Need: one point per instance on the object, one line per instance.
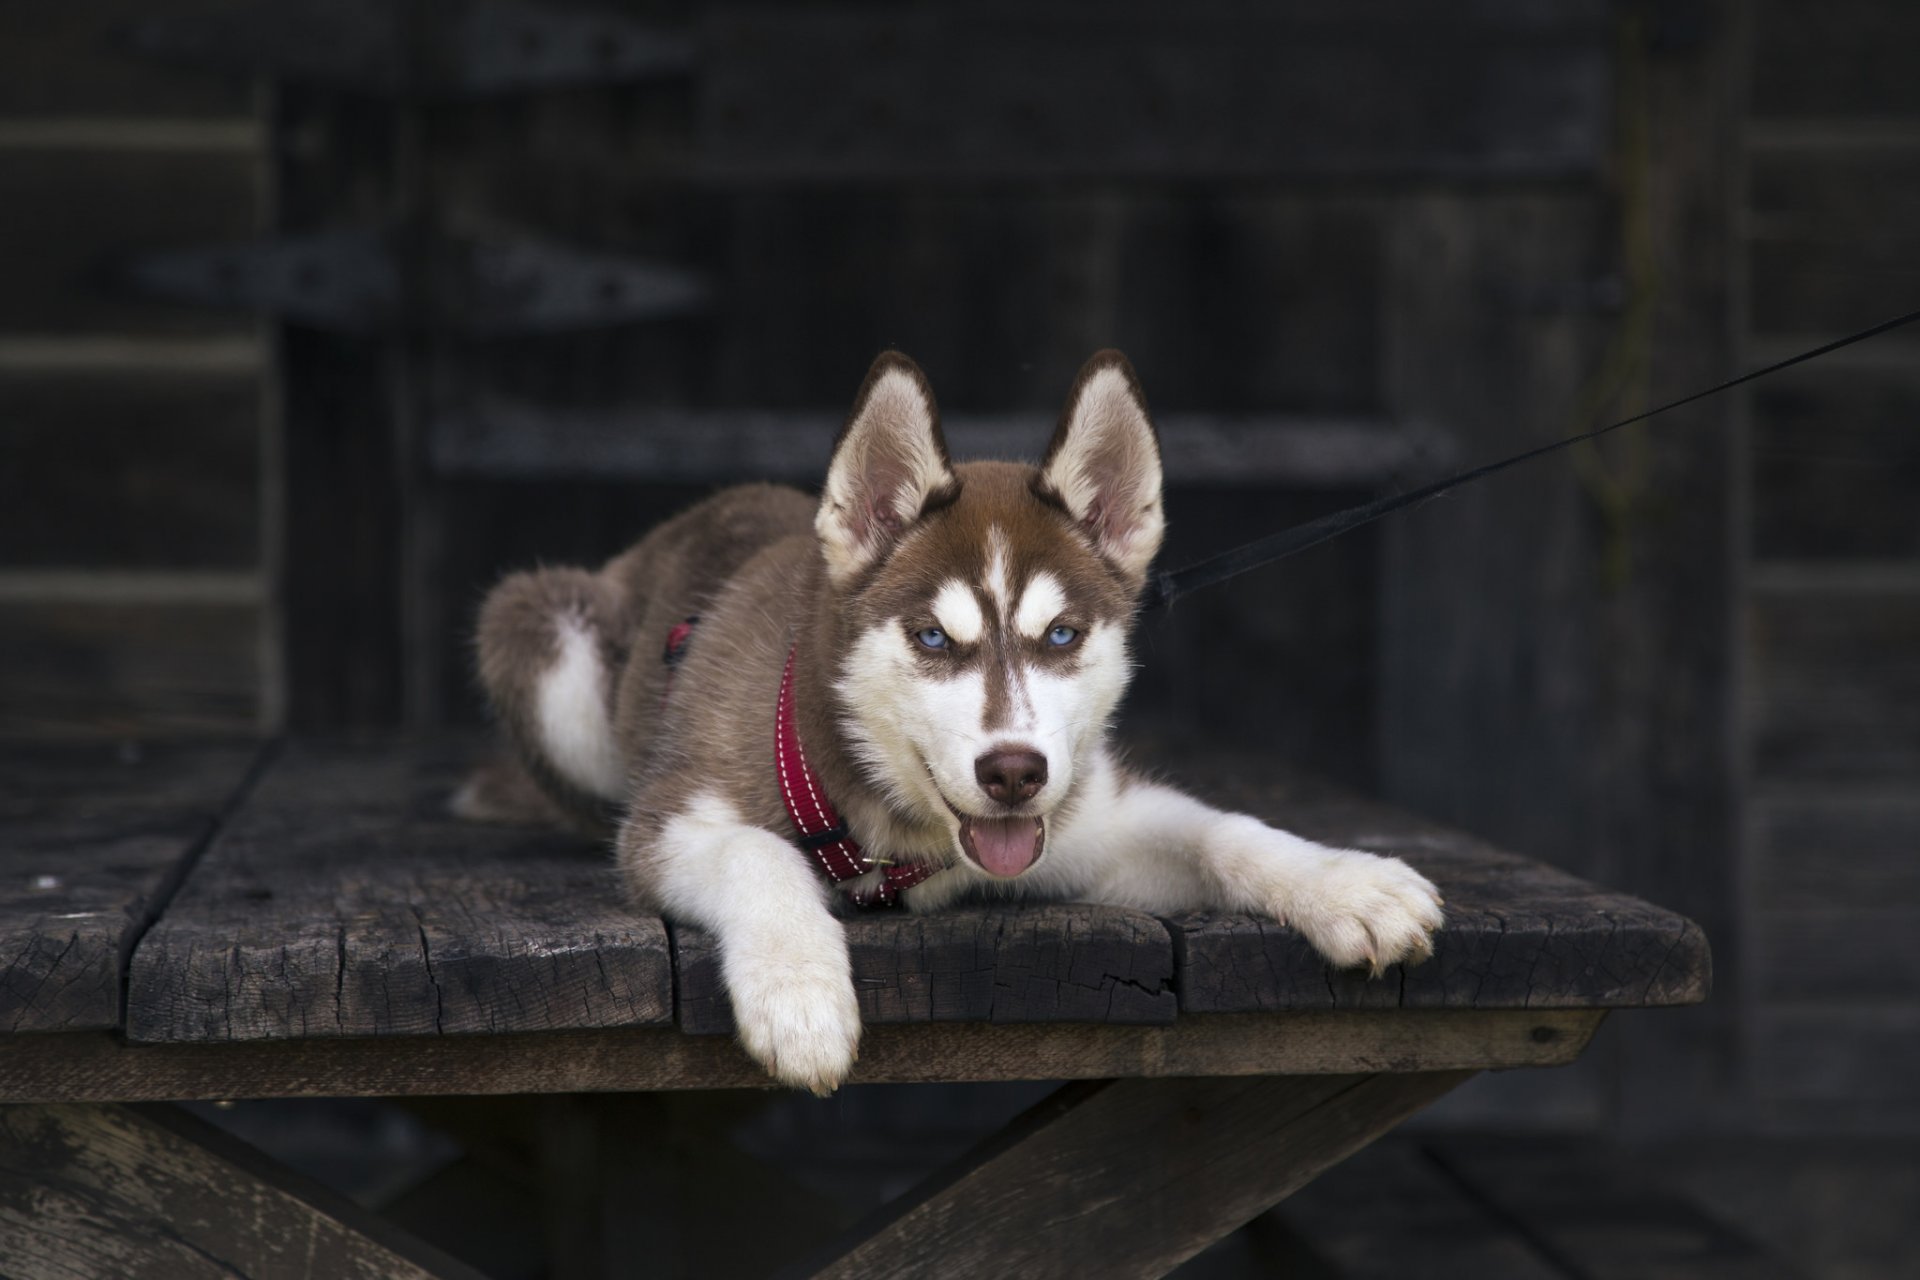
(898, 694)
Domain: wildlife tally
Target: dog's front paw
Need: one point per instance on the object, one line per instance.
(801, 1021)
(1362, 909)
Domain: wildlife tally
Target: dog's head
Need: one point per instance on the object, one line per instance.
(986, 606)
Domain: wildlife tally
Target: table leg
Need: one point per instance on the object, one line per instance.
(1130, 1177)
(108, 1190)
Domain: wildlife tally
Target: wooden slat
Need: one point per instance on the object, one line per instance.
(129, 472)
(344, 901)
(99, 1067)
(1601, 1217)
(1518, 934)
(1835, 685)
(70, 215)
(75, 668)
(66, 57)
(1130, 1177)
(92, 839)
(1229, 301)
(1841, 60)
(1488, 89)
(1836, 464)
(521, 441)
(1819, 1053)
(1000, 964)
(1856, 954)
(107, 1191)
(1835, 236)
(1836, 848)
(1389, 1213)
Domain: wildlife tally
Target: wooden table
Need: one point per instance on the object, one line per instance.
(303, 920)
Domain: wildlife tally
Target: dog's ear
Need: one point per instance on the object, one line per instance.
(889, 465)
(1104, 465)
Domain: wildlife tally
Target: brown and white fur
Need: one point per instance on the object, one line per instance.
(987, 750)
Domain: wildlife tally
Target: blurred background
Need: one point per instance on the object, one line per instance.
(317, 315)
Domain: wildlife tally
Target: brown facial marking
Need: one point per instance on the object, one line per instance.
(955, 541)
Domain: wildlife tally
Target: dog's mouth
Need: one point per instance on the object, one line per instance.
(1003, 847)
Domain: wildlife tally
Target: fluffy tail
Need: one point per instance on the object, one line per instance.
(552, 643)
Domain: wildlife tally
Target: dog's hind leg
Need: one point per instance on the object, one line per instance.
(552, 643)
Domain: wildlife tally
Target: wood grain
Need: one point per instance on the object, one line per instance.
(1844, 60)
(73, 214)
(107, 1191)
(1831, 228)
(1518, 934)
(156, 472)
(129, 670)
(1390, 1212)
(1130, 1177)
(95, 1066)
(1836, 848)
(1835, 685)
(68, 59)
(92, 839)
(1836, 465)
(1601, 1216)
(999, 964)
(344, 901)
(1008, 93)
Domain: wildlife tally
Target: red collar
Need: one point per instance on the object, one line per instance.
(822, 832)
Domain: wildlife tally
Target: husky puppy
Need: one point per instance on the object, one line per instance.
(901, 694)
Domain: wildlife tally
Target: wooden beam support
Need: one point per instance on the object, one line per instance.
(101, 1067)
(111, 1191)
(1131, 1177)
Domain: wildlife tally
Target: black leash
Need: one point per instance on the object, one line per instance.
(1168, 586)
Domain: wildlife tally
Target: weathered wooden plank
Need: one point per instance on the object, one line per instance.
(65, 57)
(92, 840)
(1062, 1186)
(1601, 1216)
(129, 669)
(1835, 848)
(1835, 685)
(1390, 1212)
(1817, 1053)
(1836, 464)
(520, 441)
(343, 901)
(1518, 934)
(1030, 282)
(1831, 230)
(99, 1067)
(73, 213)
(129, 471)
(1841, 60)
(988, 964)
(1005, 92)
(108, 1191)
(1854, 954)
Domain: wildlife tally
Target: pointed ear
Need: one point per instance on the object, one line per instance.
(1104, 465)
(889, 464)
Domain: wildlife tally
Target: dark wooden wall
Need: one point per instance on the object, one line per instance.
(515, 305)
(133, 584)
(1829, 643)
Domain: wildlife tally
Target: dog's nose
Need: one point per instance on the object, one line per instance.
(1011, 774)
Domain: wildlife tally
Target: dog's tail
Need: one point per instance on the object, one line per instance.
(550, 650)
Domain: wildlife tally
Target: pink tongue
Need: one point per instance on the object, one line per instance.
(1005, 846)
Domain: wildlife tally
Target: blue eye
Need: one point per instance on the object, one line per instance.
(932, 638)
(1060, 637)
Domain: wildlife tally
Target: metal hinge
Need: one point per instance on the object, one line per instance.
(355, 281)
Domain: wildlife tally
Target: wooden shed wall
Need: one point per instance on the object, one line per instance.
(1681, 665)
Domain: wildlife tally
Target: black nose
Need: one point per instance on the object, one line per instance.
(1011, 775)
